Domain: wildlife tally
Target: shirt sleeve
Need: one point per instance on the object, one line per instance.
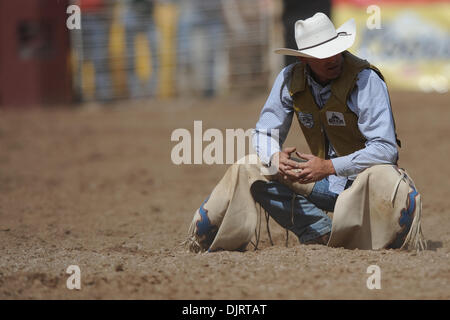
(370, 102)
(275, 119)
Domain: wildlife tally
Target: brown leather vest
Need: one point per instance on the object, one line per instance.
(335, 119)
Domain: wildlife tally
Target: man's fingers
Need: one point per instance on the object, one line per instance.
(291, 163)
(287, 162)
(284, 169)
(294, 173)
(302, 165)
(289, 150)
(304, 156)
(307, 179)
(304, 173)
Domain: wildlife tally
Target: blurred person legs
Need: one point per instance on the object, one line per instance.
(214, 59)
(210, 19)
(185, 52)
(97, 79)
(202, 49)
(142, 43)
(247, 40)
(117, 51)
(166, 19)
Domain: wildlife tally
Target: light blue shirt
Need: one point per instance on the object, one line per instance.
(369, 100)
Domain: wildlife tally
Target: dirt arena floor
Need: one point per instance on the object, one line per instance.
(95, 187)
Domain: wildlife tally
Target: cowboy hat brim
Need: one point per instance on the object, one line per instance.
(330, 48)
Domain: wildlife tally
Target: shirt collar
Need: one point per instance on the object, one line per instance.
(313, 83)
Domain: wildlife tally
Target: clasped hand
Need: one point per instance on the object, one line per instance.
(314, 169)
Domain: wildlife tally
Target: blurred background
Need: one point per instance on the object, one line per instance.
(158, 49)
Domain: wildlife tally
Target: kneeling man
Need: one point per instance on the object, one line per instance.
(343, 108)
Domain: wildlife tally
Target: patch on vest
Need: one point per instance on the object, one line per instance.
(335, 118)
(306, 119)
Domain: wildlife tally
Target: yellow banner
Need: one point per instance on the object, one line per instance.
(409, 43)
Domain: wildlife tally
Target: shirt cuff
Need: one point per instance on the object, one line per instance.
(265, 147)
(266, 156)
(343, 166)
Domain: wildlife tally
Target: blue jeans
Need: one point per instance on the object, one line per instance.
(304, 216)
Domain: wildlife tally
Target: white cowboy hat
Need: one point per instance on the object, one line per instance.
(316, 37)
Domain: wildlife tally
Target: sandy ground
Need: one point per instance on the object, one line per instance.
(95, 187)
